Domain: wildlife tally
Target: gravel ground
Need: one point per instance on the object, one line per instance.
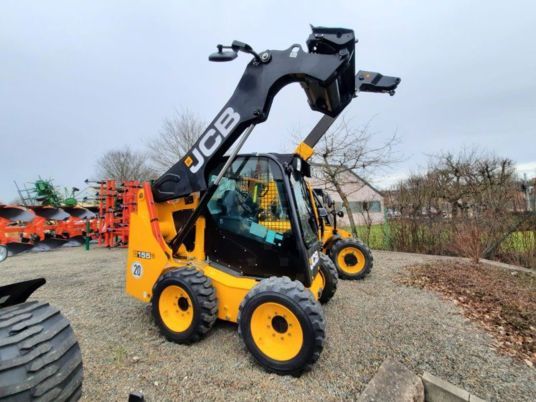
(367, 321)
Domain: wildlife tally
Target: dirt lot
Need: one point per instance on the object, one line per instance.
(367, 322)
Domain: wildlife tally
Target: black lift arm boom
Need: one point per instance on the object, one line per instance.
(365, 81)
(326, 73)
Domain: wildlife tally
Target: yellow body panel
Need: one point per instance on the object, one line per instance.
(344, 233)
(328, 233)
(148, 258)
(317, 286)
(230, 291)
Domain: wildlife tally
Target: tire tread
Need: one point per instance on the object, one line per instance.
(45, 362)
(302, 297)
(202, 288)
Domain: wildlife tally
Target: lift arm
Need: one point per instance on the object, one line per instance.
(365, 81)
(326, 73)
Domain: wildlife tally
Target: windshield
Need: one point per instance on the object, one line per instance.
(304, 209)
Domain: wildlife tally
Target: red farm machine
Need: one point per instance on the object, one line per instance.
(46, 220)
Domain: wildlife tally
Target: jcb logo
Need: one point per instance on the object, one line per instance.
(212, 138)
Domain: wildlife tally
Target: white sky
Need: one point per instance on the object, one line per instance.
(79, 78)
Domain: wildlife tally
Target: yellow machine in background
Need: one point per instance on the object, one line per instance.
(353, 258)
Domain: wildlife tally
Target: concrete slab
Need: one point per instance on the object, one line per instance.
(393, 383)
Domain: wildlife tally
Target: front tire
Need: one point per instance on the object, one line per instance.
(184, 305)
(282, 326)
(352, 258)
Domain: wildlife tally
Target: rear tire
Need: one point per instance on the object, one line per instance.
(40, 358)
(329, 273)
(184, 305)
(282, 325)
(352, 258)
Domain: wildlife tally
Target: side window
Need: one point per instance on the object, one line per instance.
(251, 201)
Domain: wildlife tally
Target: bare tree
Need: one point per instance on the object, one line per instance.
(178, 134)
(344, 155)
(465, 203)
(124, 164)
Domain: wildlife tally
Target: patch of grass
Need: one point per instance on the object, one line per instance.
(521, 241)
(377, 239)
(518, 249)
(119, 354)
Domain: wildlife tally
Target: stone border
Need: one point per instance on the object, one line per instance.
(393, 382)
(438, 390)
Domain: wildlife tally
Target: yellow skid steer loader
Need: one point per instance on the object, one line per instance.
(235, 237)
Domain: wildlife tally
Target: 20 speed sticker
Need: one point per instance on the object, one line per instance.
(136, 269)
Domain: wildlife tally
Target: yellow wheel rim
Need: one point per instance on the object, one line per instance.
(175, 308)
(351, 260)
(276, 331)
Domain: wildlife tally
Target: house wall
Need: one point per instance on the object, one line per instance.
(359, 192)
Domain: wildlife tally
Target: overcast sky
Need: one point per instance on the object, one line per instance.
(80, 78)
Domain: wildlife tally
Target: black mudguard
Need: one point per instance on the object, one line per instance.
(19, 292)
(331, 242)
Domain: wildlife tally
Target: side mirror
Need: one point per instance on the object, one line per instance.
(222, 55)
(3, 253)
(322, 212)
(340, 214)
